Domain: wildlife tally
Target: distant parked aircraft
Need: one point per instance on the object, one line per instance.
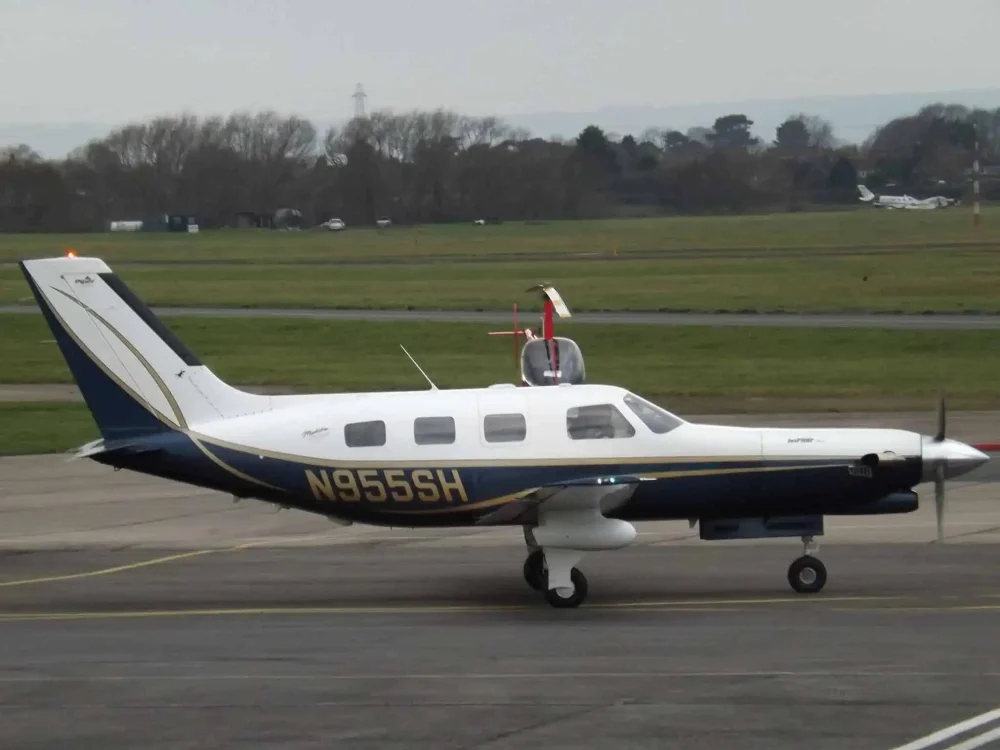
(903, 201)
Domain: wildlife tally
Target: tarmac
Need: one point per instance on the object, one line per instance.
(894, 321)
(137, 612)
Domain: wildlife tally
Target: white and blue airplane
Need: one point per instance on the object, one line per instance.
(576, 465)
(905, 202)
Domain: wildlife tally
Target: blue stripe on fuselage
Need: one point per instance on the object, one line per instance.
(416, 496)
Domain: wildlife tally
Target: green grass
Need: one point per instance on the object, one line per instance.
(689, 370)
(856, 228)
(694, 367)
(917, 281)
(27, 428)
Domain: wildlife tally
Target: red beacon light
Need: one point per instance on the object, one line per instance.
(71, 253)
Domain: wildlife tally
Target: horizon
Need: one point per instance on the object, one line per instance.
(888, 105)
(536, 63)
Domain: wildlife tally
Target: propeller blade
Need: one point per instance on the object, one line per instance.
(942, 421)
(939, 501)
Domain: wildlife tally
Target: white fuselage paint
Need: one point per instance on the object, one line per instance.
(313, 428)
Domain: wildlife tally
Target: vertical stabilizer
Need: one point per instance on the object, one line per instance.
(136, 376)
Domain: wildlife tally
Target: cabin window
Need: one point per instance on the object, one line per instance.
(504, 428)
(434, 430)
(597, 422)
(364, 434)
(656, 419)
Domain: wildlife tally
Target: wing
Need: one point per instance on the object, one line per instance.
(598, 493)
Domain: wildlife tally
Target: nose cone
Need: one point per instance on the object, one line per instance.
(956, 458)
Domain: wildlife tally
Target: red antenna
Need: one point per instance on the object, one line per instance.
(516, 333)
(515, 336)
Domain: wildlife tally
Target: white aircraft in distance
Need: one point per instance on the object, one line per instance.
(575, 465)
(903, 201)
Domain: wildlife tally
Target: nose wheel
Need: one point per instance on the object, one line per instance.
(536, 574)
(807, 574)
(567, 599)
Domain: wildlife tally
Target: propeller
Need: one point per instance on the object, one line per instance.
(939, 494)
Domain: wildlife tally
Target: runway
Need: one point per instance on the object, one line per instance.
(137, 612)
(913, 322)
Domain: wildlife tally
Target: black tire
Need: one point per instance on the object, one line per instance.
(807, 575)
(573, 600)
(534, 570)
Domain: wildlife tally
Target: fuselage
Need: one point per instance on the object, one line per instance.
(451, 457)
(908, 202)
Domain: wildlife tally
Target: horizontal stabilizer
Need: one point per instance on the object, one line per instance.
(101, 447)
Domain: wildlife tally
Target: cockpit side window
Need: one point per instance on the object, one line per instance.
(597, 422)
(655, 418)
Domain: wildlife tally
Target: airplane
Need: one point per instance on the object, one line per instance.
(576, 465)
(903, 201)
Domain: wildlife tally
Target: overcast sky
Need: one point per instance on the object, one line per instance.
(115, 60)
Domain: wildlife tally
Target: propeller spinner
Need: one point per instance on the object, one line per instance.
(943, 459)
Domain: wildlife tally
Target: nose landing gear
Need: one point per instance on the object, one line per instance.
(536, 574)
(806, 574)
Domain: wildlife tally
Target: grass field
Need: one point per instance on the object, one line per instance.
(850, 261)
(691, 371)
(853, 261)
(861, 228)
(673, 365)
(919, 281)
(27, 428)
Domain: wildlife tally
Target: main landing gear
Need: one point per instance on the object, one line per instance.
(806, 574)
(536, 573)
(553, 573)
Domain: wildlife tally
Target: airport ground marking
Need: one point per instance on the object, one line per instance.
(708, 605)
(925, 610)
(130, 566)
(938, 737)
(348, 677)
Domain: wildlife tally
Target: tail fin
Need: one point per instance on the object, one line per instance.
(866, 194)
(136, 376)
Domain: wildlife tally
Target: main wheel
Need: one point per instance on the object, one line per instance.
(807, 575)
(534, 570)
(575, 599)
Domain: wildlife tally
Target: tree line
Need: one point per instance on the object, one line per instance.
(440, 166)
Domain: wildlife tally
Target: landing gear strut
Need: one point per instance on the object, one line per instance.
(807, 575)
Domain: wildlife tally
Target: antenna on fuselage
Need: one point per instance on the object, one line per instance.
(433, 387)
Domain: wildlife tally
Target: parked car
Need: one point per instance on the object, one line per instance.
(334, 225)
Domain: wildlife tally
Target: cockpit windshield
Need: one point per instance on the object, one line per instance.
(656, 419)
